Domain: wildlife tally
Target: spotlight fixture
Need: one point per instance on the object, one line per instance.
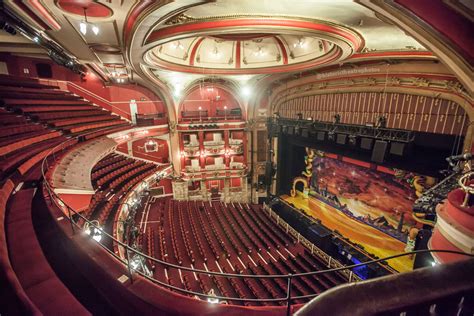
(331, 136)
(84, 25)
(177, 44)
(352, 140)
(301, 43)
(259, 52)
(215, 51)
(7, 28)
(246, 92)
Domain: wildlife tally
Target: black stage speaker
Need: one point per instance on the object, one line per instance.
(305, 132)
(341, 139)
(320, 135)
(366, 143)
(380, 148)
(290, 130)
(398, 148)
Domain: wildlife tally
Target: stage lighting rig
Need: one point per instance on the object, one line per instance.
(7, 28)
(353, 140)
(331, 136)
(12, 24)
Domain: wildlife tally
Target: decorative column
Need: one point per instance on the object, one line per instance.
(454, 228)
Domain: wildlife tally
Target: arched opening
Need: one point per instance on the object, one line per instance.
(210, 103)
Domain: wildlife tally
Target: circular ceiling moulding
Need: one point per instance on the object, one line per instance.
(94, 9)
(251, 45)
(240, 37)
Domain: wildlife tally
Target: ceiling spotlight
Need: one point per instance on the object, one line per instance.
(95, 29)
(83, 27)
(301, 43)
(36, 39)
(259, 52)
(246, 91)
(177, 45)
(215, 51)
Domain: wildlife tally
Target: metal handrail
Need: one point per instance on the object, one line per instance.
(288, 298)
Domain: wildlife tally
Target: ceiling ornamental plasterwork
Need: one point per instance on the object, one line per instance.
(252, 45)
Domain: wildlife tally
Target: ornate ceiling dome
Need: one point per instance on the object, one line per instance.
(249, 45)
(242, 52)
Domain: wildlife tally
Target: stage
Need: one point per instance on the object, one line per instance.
(373, 240)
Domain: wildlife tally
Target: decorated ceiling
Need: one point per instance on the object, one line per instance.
(171, 46)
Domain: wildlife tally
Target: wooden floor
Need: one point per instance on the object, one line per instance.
(373, 240)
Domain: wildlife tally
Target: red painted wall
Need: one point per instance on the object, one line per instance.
(166, 184)
(118, 95)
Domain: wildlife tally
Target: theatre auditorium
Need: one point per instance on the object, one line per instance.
(237, 157)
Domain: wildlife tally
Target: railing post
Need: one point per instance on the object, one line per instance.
(312, 248)
(350, 277)
(71, 220)
(288, 296)
(329, 262)
(128, 265)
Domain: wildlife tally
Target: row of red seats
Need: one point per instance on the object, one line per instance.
(109, 130)
(118, 171)
(26, 142)
(113, 164)
(106, 161)
(91, 126)
(64, 100)
(87, 119)
(239, 230)
(16, 129)
(130, 180)
(53, 116)
(150, 237)
(263, 240)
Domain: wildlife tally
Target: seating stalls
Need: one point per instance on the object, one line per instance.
(23, 143)
(112, 177)
(37, 117)
(26, 137)
(58, 109)
(233, 238)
